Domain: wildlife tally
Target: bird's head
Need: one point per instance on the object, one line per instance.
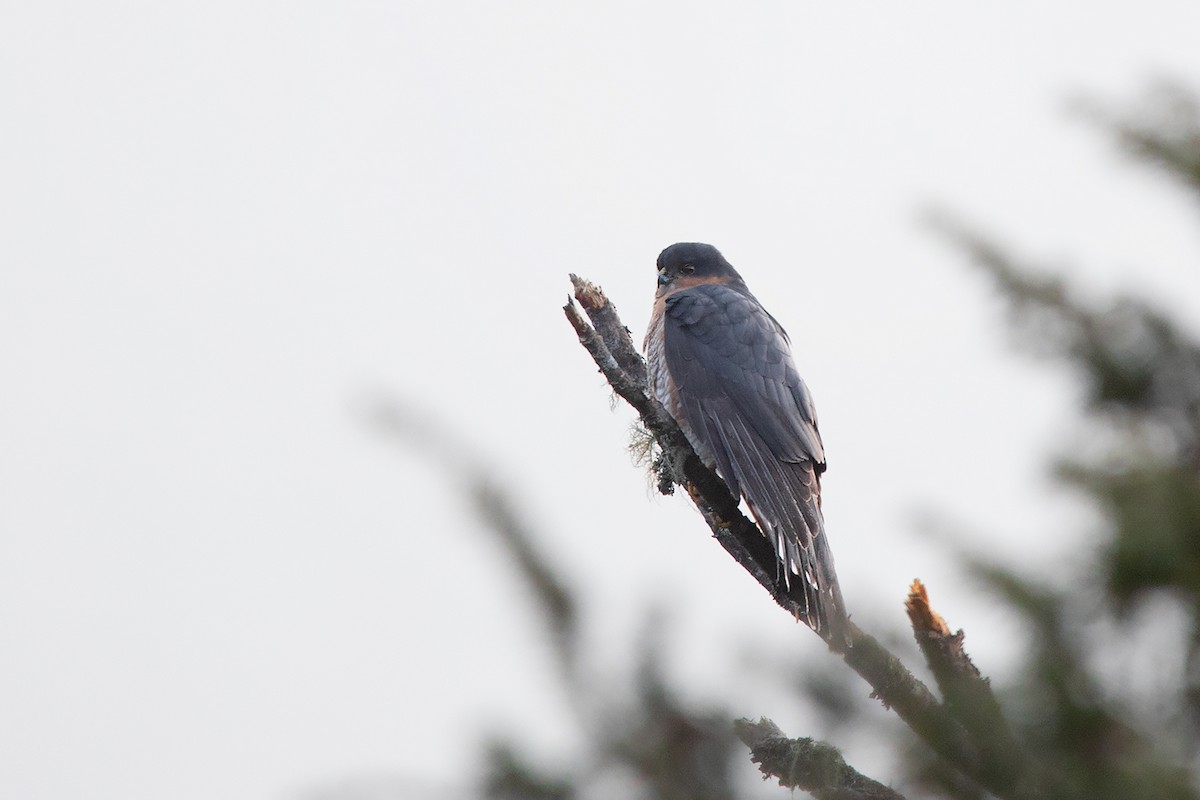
(691, 263)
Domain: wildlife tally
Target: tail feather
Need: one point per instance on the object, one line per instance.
(785, 499)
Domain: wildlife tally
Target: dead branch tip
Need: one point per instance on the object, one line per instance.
(590, 295)
(924, 618)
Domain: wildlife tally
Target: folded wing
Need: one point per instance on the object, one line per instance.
(749, 413)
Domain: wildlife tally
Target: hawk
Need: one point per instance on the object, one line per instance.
(722, 366)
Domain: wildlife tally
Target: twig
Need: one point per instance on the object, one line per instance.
(807, 764)
(970, 699)
(967, 693)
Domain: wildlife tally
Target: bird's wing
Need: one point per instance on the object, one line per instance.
(722, 346)
(745, 404)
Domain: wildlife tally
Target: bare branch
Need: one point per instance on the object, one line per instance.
(617, 338)
(807, 764)
(968, 694)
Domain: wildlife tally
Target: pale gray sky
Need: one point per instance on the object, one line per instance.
(225, 225)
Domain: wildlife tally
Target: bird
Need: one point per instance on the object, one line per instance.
(722, 367)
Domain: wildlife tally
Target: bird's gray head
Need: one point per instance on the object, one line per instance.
(694, 262)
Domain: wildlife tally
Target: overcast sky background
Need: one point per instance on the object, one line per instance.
(225, 228)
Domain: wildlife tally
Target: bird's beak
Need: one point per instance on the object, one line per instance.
(663, 280)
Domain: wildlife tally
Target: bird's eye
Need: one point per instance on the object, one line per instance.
(688, 269)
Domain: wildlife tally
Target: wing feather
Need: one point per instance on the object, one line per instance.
(750, 415)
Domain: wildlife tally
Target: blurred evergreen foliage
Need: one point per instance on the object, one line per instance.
(1138, 601)
(1141, 372)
